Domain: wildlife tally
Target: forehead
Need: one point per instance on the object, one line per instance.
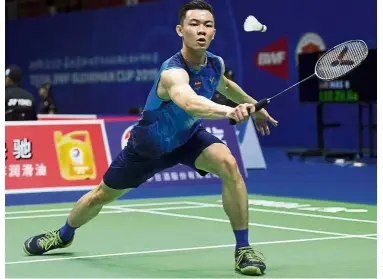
(201, 15)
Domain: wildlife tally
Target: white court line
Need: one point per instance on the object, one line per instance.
(60, 215)
(68, 209)
(179, 207)
(124, 209)
(187, 249)
(227, 221)
(192, 203)
(37, 211)
(296, 213)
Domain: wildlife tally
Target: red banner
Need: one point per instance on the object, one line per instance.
(55, 154)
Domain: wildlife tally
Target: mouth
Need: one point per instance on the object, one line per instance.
(201, 41)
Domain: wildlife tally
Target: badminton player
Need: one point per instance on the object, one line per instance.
(170, 132)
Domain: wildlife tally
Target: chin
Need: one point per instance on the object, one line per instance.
(201, 48)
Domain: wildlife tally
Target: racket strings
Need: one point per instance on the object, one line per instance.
(341, 60)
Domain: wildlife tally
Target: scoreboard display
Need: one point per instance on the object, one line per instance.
(358, 86)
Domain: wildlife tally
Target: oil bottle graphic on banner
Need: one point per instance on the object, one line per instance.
(75, 155)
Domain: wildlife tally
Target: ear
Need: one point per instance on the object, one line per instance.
(179, 30)
(214, 34)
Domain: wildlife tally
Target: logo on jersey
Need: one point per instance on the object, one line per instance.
(274, 58)
(308, 43)
(211, 80)
(197, 83)
(125, 136)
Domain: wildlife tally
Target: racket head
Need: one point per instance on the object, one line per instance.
(341, 59)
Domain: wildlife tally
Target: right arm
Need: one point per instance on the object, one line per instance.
(176, 83)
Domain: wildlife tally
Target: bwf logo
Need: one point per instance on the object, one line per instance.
(274, 58)
(271, 58)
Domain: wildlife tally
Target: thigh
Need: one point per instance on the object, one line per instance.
(129, 169)
(195, 147)
(217, 159)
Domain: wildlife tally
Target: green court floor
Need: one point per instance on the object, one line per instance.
(191, 237)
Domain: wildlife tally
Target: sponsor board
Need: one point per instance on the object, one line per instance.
(54, 155)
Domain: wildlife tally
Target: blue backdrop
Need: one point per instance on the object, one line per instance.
(104, 61)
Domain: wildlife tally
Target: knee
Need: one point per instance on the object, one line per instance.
(229, 168)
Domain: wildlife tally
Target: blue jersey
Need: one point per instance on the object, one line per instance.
(164, 126)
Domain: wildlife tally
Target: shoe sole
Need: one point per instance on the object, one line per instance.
(250, 270)
(26, 252)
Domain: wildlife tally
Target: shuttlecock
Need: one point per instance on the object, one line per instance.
(252, 24)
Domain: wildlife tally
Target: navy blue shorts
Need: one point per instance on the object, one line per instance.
(129, 169)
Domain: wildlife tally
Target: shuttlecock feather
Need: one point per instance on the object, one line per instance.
(252, 24)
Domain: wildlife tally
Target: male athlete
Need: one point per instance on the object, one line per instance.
(170, 132)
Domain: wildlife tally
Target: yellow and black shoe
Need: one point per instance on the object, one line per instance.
(249, 262)
(40, 244)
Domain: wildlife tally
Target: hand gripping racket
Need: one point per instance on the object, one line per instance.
(335, 63)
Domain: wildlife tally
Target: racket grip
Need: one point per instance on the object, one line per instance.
(258, 106)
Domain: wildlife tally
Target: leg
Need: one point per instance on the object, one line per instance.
(218, 159)
(128, 170)
(88, 206)
(205, 153)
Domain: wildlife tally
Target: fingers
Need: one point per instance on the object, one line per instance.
(262, 127)
(250, 108)
(273, 121)
(242, 112)
(266, 128)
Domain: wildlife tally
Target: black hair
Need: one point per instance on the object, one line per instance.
(193, 5)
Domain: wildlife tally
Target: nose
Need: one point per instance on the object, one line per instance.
(201, 30)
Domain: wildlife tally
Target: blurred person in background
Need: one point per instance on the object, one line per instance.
(47, 103)
(20, 105)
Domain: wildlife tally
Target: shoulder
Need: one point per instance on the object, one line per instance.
(174, 61)
(174, 76)
(217, 61)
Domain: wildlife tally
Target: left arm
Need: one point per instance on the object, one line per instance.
(233, 91)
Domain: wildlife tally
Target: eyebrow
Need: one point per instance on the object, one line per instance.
(207, 21)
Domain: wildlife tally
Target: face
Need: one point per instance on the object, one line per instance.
(43, 92)
(8, 81)
(197, 30)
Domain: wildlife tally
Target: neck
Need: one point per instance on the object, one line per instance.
(193, 58)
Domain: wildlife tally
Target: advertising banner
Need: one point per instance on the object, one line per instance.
(54, 155)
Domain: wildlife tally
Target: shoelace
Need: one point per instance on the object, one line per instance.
(249, 254)
(51, 239)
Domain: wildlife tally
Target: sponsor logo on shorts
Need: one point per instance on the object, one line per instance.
(125, 136)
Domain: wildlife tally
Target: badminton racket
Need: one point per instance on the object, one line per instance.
(335, 63)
